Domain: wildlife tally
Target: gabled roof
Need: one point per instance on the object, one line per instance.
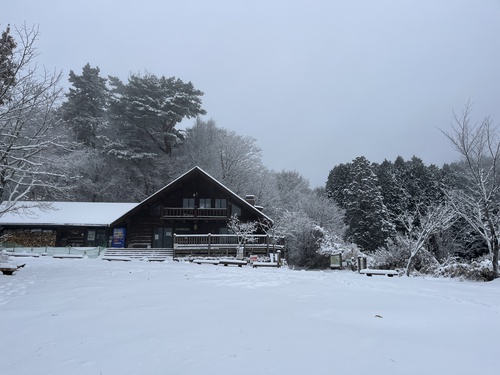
(195, 170)
(65, 213)
(101, 213)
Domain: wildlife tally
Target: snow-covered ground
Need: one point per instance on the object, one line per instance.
(67, 316)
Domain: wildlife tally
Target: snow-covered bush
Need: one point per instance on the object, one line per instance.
(391, 257)
(479, 270)
(332, 244)
(395, 256)
(303, 241)
(4, 258)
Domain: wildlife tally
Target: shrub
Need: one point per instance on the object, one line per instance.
(4, 258)
(478, 270)
(395, 257)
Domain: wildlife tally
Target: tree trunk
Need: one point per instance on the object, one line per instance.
(410, 261)
(495, 257)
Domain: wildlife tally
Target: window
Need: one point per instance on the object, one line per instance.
(220, 203)
(205, 203)
(188, 203)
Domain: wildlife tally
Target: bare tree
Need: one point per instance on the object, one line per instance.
(420, 224)
(233, 159)
(478, 200)
(27, 100)
(243, 230)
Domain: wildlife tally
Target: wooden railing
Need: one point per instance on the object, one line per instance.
(174, 212)
(225, 244)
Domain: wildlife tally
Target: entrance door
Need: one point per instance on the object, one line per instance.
(162, 238)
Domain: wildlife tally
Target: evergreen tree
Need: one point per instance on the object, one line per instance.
(366, 214)
(8, 65)
(149, 107)
(392, 186)
(338, 182)
(85, 107)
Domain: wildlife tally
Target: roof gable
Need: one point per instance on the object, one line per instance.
(193, 173)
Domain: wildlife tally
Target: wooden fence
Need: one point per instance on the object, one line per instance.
(215, 245)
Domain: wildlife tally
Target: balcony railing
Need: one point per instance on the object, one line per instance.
(187, 213)
(225, 244)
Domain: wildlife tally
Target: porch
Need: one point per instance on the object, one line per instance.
(218, 245)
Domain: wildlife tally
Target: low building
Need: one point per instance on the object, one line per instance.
(191, 212)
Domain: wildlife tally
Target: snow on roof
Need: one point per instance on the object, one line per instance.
(66, 213)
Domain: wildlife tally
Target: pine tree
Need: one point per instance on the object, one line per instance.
(85, 108)
(150, 107)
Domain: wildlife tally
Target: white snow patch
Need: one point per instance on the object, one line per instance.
(95, 317)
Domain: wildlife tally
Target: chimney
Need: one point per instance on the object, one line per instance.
(250, 199)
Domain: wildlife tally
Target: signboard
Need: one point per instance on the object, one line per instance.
(336, 261)
(118, 237)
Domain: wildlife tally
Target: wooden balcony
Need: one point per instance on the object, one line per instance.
(225, 245)
(194, 213)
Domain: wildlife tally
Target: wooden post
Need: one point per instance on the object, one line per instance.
(208, 240)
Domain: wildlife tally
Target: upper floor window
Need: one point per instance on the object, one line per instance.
(188, 203)
(220, 203)
(205, 203)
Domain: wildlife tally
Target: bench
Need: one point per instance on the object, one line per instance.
(264, 264)
(370, 272)
(234, 262)
(9, 269)
(67, 256)
(206, 261)
(23, 254)
(116, 257)
(129, 254)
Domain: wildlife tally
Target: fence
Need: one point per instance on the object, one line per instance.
(90, 252)
(225, 244)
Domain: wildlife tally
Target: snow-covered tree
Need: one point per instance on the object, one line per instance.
(338, 182)
(330, 243)
(478, 199)
(85, 106)
(420, 224)
(292, 189)
(233, 159)
(243, 230)
(302, 240)
(28, 96)
(366, 216)
(152, 106)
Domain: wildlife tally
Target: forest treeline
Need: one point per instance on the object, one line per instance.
(110, 140)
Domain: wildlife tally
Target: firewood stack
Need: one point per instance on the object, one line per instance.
(30, 238)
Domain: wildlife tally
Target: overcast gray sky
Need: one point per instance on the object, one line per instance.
(317, 83)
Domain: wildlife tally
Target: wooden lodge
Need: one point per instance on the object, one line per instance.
(188, 216)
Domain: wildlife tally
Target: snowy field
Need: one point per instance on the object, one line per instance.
(92, 317)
